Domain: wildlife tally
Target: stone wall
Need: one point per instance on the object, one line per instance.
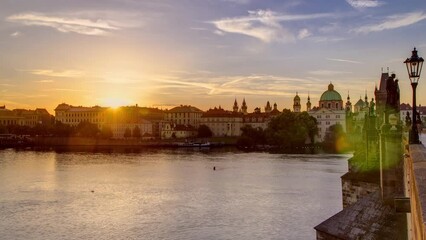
(357, 185)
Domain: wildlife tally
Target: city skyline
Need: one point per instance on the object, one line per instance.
(202, 53)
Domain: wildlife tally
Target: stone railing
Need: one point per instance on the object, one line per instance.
(415, 189)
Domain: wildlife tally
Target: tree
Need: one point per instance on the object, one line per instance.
(87, 129)
(335, 139)
(250, 137)
(289, 129)
(127, 133)
(204, 131)
(62, 130)
(106, 132)
(136, 133)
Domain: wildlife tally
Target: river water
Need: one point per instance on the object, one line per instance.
(166, 194)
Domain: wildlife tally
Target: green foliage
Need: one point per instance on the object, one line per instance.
(291, 129)
(250, 137)
(136, 133)
(86, 129)
(204, 132)
(335, 139)
(106, 132)
(127, 133)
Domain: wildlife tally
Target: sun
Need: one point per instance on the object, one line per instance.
(116, 102)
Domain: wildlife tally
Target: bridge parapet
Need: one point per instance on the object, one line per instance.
(415, 186)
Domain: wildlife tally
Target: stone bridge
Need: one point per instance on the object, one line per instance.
(415, 189)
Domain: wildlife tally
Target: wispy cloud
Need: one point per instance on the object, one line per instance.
(65, 24)
(238, 1)
(343, 60)
(44, 81)
(327, 72)
(255, 84)
(52, 73)
(304, 33)
(16, 34)
(392, 22)
(264, 25)
(360, 4)
(64, 90)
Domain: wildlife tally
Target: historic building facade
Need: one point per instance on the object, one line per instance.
(24, 117)
(184, 115)
(223, 123)
(330, 111)
(73, 115)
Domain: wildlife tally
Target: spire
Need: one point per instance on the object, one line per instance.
(244, 106)
(235, 107)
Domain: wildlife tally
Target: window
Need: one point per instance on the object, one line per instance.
(337, 105)
(329, 105)
(327, 116)
(337, 116)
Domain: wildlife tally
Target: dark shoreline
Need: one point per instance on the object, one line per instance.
(79, 144)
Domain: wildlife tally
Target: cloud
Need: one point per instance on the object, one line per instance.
(264, 25)
(64, 90)
(44, 81)
(52, 73)
(255, 84)
(16, 34)
(360, 4)
(343, 60)
(327, 72)
(83, 26)
(304, 33)
(238, 1)
(392, 22)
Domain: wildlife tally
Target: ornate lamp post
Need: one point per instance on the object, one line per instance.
(414, 68)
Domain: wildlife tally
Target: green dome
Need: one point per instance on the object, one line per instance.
(331, 94)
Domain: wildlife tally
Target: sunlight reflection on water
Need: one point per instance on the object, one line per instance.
(166, 195)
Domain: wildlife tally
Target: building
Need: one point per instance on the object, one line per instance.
(128, 118)
(381, 95)
(330, 111)
(184, 115)
(296, 103)
(172, 131)
(24, 117)
(406, 108)
(223, 123)
(73, 115)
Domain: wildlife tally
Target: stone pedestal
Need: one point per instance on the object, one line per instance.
(390, 158)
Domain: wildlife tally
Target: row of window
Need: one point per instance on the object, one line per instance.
(328, 116)
(83, 115)
(176, 115)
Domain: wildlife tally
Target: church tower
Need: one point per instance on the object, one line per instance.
(244, 107)
(296, 103)
(268, 107)
(308, 104)
(348, 106)
(235, 107)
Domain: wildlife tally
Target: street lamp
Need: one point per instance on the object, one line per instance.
(414, 68)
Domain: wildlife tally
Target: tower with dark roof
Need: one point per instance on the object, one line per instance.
(348, 105)
(296, 103)
(381, 96)
(244, 107)
(308, 104)
(235, 107)
(268, 107)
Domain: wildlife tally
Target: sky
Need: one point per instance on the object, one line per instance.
(205, 53)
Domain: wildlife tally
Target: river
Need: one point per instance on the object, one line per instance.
(166, 194)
